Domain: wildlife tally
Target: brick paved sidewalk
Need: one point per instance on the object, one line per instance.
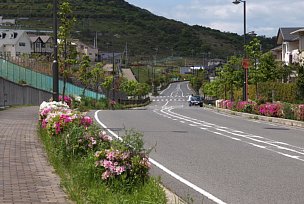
(25, 174)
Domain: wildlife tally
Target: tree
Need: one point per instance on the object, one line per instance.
(231, 75)
(268, 67)
(67, 53)
(97, 74)
(253, 50)
(107, 84)
(84, 73)
(300, 82)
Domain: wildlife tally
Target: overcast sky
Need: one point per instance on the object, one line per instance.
(263, 16)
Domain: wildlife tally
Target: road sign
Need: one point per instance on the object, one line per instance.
(245, 63)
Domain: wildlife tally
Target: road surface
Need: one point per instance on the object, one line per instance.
(205, 156)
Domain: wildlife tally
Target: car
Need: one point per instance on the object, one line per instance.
(196, 101)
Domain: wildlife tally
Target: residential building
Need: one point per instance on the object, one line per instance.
(7, 21)
(14, 43)
(107, 57)
(41, 44)
(83, 49)
(290, 44)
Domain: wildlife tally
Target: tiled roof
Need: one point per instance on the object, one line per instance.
(11, 36)
(286, 33)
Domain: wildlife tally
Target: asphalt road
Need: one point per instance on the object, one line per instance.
(210, 157)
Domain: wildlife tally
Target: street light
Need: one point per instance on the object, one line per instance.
(245, 61)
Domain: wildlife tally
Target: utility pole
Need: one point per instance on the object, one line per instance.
(55, 61)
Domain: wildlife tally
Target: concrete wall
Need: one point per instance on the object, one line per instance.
(15, 94)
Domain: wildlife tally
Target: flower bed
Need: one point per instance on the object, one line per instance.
(120, 166)
(282, 110)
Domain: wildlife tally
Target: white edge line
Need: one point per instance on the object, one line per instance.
(171, 173)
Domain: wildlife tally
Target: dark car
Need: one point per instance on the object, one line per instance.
(196, 101)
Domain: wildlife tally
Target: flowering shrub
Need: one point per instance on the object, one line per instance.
(246, 106)
(120, 164)
(86, 121)
(300, 112)
(56, 117)
(271, 109)
(227, 104)
(128, 167)
(68, 100)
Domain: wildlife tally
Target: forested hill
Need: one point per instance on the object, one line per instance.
(143, 31)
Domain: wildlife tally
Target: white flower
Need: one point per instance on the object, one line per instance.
(77, 98)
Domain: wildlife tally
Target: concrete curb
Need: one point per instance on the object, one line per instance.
(283, 121)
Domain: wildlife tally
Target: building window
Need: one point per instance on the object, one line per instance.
(17, 54)
(22, 44)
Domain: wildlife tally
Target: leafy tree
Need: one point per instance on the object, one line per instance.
(300, 82)
(84, 73)
(231, 75)
(67, 52)
(198, 79)
(268, 67)
(253, 50)
(107, 84)
(98, 75)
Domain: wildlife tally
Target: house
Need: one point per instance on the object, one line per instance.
(14, 43)
(108, 57)
(83, 49)
(42, 44)
(290, 43)
(300, 34)
(7, 21)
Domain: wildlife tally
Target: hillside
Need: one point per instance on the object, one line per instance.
(140, 29)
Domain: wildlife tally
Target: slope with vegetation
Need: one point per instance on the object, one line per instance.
(146, 34)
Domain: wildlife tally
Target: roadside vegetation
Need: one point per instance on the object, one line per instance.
(274, 89)
(93, 166)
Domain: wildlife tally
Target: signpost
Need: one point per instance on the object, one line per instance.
(245, 64)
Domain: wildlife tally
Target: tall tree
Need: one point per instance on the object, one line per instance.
(67, 53)
(253, 50)
(84, 73)
(231, 75)
(98, 75)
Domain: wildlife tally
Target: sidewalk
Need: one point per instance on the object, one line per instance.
(25, 174)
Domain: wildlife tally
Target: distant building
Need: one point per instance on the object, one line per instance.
(41, 44)
(107, 57)
(290, 43)
(7, 21)
(14, 43)
(83, 49)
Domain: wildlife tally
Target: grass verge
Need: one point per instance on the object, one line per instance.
(81, 184)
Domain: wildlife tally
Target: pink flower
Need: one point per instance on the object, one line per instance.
(119, 170)
(86, 121)
(106, 175)
(57, 128)
(44, 123)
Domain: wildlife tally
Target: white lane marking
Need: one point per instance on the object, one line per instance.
(168, 171)
(165, 89)
(270, 144)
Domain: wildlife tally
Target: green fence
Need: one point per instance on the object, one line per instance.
(18, 74)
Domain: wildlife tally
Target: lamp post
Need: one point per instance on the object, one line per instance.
(245, 61)
(55, 61)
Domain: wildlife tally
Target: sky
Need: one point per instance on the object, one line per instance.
(264, 17)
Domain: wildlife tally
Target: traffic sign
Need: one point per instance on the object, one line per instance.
(245, 63)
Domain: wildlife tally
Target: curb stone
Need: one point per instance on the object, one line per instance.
(294, 123)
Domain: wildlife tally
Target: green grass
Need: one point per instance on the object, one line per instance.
(83, 186)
